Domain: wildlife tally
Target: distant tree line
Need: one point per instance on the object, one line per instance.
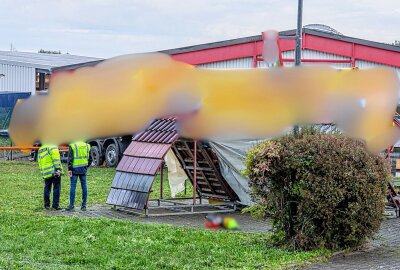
(49, 51)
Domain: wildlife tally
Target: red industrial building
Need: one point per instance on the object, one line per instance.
(320, 45)
(211, 181)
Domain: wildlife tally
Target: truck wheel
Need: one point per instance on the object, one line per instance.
(112, 155)
(96, 156)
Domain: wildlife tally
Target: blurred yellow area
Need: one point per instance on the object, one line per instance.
(124, 94)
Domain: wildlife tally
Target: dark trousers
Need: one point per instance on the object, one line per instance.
(74, 180)
(54, 181)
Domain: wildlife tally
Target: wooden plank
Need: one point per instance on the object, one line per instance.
(199, 169)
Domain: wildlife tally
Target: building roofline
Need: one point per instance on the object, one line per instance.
(286, 33)
(213, 45)
(360, 41)
(236, 41)
(42, 61)
(25, 64)
(75, 66)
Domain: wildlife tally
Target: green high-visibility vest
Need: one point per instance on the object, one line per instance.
(49, 160)
(81, 152)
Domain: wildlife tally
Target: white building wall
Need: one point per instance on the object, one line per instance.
(243, 63)
(17, 78)
(311, 54)
(247, 62)
(367, 64)
(240, 63)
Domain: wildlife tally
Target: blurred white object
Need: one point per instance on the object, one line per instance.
(176, 175)
(270, 49)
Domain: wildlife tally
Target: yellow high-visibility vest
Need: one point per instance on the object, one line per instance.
(49, 160)
(81, 152)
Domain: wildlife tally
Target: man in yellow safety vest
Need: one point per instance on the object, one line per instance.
(50, 167)
(78, 160)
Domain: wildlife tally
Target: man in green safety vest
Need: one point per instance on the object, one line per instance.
(78, 160)
(51, 169)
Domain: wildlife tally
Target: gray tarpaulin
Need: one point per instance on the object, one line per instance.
(231, 156)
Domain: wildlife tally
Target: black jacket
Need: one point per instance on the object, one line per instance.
(80, 170)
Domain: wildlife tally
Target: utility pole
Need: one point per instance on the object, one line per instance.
(299, 34)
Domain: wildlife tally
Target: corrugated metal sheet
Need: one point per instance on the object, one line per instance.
(143, 158)
(141, 161)
(17, 78)
(230, 64)
(262, 64)
(127, 198)
(166, 124)
(244, 63)
(150, 150)
(156, 136)
(368, 64)
(159, 131)
(42, 60)
(132, 181)
(148, 166)
(130, 190)
(311, 54)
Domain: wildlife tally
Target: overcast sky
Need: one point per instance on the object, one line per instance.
(106, 28)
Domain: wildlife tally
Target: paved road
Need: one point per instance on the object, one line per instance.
(246, 222)
(382, 253)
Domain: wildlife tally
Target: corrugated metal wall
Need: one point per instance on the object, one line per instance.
(306, 54)
(243, 63)
(310, 54)
(17, 78)
(367, 64)
(239, 63)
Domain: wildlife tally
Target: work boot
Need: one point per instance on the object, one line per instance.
(69, 208)
(47, 207)
(57, 208)
(83, 208)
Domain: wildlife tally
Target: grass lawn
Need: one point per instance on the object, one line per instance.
(30, 239)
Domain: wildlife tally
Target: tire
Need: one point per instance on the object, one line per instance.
(112, 156)
(97, 159)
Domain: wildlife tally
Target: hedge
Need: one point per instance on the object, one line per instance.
(320, 190)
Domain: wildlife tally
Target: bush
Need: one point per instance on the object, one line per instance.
(320, 190)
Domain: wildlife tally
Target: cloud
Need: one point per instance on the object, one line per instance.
(106, 28)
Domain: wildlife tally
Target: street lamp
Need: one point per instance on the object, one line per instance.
(299, 33)
(297, 52)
